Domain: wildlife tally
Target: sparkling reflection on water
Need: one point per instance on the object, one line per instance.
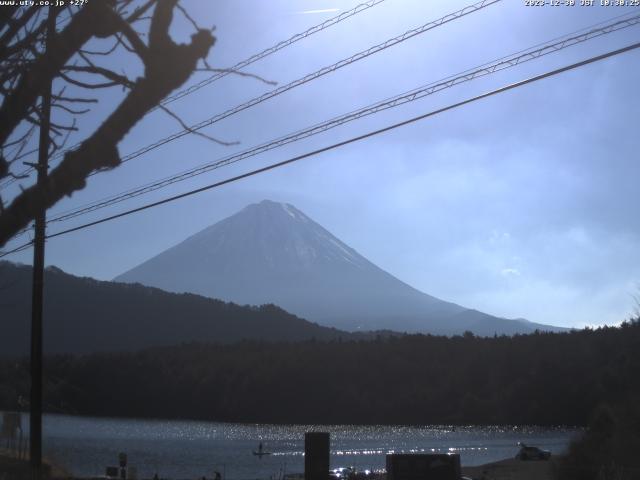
(191, 449)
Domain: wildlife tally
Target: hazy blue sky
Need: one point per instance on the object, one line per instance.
(522, 205)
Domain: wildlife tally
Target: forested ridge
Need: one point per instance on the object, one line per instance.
(543, 378)
(84, 315)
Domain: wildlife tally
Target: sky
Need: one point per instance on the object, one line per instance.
(522, 205)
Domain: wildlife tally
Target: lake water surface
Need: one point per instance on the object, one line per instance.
(191, 449)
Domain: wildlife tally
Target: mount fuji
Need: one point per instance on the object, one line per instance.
(271, 252)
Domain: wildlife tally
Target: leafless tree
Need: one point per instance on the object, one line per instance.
(27, 67)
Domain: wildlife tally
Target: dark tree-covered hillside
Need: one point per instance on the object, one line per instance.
(84, 315)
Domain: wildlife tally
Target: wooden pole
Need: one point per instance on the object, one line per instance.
(35, 411)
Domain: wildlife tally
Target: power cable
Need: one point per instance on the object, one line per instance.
(268, 51)
(313, 76)
(353, 139)
(307, 78)
(16, 250)
(285, 140)
(340, 144)
(248, 61)
(407, 97)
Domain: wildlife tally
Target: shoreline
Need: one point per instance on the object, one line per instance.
(513, 469)
(187, 419)
(510, 469)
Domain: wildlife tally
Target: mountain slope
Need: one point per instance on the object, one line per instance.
(83, 315)
(273, 253)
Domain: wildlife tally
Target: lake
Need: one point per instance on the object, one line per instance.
(191, 449)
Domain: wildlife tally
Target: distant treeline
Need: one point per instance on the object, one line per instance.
(543, 378)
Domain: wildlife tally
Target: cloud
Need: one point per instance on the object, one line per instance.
(510, 272)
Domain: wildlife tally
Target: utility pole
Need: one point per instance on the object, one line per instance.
(35, 412)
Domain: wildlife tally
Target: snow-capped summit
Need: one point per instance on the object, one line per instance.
(271, 252)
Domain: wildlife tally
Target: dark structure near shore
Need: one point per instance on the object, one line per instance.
(423, 466)
(316, 456)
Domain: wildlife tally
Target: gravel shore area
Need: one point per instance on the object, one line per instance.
(512, 469)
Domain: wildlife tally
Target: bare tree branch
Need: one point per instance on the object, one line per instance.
(237, 72)
(167, 67)
(71, 110)
(93, 86)
(137, 14)
(130, 34)
(108, 74)
(91, 20)
(74, 99)
(188, 17)
(109, 51)
(196, 132)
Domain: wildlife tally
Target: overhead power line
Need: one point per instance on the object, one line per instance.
(358, 56)
(309, 77)
(22, 247)
(273, 166)
(358, 138)
(313, 76)
(268, 51)
(238, 66)
(407, 97)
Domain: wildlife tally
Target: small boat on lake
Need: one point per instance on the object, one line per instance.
(261, 451)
